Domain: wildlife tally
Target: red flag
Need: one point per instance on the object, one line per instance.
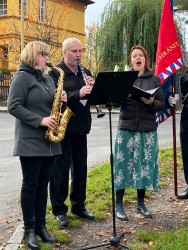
(169, 56)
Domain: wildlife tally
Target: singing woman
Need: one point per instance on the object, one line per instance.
(136, 145)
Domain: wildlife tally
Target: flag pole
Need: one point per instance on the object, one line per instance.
(174, 126)
(174, 139)
(168, 61)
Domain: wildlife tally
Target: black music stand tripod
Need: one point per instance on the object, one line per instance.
(111, 87)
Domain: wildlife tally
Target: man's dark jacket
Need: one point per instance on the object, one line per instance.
(80, 123)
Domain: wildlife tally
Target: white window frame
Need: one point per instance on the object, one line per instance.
(25, 7)
(3, 7)
(42, 4)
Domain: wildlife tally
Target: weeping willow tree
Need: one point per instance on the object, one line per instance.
(144, 15)
(125, 23)
(111, 34)
(180, 5)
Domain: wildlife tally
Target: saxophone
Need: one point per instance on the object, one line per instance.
(62, 118)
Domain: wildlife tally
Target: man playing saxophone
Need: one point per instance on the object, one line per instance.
(74, 144)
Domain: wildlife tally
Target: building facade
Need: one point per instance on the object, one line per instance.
(50, 21)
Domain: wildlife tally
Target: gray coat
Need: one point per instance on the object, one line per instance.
(30, 100)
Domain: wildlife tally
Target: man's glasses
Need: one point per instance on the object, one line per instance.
(44, 54)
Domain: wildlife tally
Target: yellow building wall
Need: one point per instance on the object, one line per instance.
(10, 27)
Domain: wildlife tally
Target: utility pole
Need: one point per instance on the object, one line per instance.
(22, 25)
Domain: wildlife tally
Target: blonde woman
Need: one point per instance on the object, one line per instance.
(30, 102)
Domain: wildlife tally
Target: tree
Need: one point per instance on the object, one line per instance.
(180, 5)
(92, 55)
(51, 29)
(125, 23)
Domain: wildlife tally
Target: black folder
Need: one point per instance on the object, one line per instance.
(112, 87)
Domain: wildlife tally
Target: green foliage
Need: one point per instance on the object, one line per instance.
(180, 5)
(4, 70)
(99, 188)
(53, 226)
(125, 23)
(92, 59)
(175, 240)
(111, 35)
(166, 160)
(146, 18)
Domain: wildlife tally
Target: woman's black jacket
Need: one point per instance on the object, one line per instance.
(136, 115)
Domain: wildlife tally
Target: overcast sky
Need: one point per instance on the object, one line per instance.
(94, 10)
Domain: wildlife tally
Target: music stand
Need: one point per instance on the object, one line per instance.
(111, 87)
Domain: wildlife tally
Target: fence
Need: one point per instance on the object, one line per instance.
(4, 85)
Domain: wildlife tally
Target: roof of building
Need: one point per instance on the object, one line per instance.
(87, 2)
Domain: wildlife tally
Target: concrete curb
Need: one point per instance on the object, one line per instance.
(93, 111)
(16, 239)
(3, 109)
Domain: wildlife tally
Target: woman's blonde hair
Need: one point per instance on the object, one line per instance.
(32, 51)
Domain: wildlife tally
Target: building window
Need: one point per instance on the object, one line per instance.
(4, 52)
(25, 7)
(41, 10)
(3, 7)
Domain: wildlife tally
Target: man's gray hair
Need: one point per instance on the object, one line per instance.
(65, 44)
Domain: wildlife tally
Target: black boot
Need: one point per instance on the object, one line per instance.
(31, 239)
(120, 213)
(142, 209)
(42, 232)
(183, 196)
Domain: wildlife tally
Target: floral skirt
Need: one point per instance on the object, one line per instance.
(136, 160)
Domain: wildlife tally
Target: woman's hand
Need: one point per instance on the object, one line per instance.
(148, 101)
(49, 122)
(63, 96)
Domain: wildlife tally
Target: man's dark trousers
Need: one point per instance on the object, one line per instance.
(74, 156)
(184, 139)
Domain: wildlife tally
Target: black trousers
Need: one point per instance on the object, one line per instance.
(74, 157)
(36, 176)
(184, 139)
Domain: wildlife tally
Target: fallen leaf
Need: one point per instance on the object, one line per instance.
(151, 243)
